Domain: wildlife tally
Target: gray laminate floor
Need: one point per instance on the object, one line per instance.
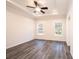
(39, 49)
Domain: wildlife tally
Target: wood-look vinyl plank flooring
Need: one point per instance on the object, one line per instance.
(39, 49)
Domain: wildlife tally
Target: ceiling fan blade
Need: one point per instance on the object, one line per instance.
(36, 3)
(44, 8)
(30, 6)
(42, 11)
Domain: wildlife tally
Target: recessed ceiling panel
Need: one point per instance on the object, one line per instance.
(62, 6)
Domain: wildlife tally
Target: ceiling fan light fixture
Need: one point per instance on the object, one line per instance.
(36, 14)
(37, 9)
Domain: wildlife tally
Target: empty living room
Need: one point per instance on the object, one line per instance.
(39, 29)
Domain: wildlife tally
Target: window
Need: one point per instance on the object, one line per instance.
(40, 29)
(58, 29)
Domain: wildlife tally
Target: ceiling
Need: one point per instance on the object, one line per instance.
(61, 6)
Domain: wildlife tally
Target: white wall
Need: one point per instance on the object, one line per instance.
(48, 23)
(19, 28)
(69, 29)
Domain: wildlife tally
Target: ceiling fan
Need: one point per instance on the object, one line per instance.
(38, 7)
